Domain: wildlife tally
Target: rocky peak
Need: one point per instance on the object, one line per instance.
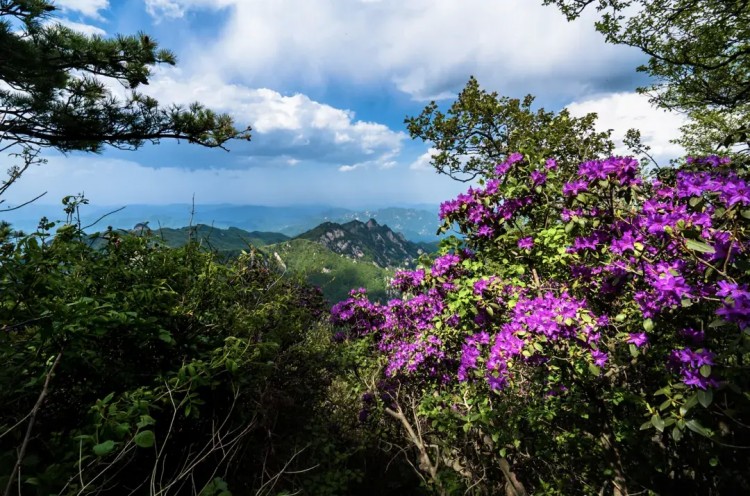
(365, 240)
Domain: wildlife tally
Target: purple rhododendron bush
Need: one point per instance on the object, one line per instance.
(587, 334)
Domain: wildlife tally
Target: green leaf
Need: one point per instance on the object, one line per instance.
(596, 371)
(145, 421)
(705, 397)
(658, 422)
(717, 323)
(676, 434)
(648, 325)
(705, 371)
(700, 246)
(166, 336)
(663, 391)
(696, 427)
(105, 448)
(145, 439)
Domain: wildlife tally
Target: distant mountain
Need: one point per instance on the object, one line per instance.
(232, 239)
(365, 241)
(335, 274)
(415, 224)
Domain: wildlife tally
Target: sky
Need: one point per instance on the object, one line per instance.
(326, 85)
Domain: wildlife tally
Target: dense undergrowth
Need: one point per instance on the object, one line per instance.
(132, 368)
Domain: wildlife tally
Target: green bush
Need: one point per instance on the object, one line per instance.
(151, 369)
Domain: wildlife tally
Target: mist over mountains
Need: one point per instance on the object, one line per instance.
(416, 224)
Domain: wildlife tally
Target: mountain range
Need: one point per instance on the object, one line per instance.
(416, 224)
(334, 248)
(336, 257)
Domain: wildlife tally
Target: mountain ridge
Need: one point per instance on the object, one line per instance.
(417, 224)
(365, 240)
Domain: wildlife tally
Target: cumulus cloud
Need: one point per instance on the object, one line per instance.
(424, 48)
(623, 111)
(422, 163)
(87, 8)
(176, 9)
(293, 126)
(160, 9)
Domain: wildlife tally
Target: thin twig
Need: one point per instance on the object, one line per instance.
(27, 438)
(103, 216)
(23, 204)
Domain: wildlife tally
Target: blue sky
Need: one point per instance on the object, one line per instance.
(326, 85)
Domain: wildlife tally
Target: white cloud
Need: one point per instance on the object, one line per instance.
(349, 168)
(117, 182)
(164, 9)
(422, 163)
(623, 111)
(425, 48)
(176, 9)
(86, 29)
(294, 126)
(88, 8)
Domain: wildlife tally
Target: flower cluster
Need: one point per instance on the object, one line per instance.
(549, 317)
(639, 250)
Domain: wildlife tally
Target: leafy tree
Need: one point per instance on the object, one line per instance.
(699, 58)
(55, 91)
(481, 129)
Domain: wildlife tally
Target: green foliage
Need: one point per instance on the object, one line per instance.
(334, 274)
(143, 360)
(55, 97)
(481, 129)
(581, 400)
(368, 241)
(54, 92)
(699, 60)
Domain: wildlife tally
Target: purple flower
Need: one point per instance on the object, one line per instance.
(694, 336)
(448, 208)
(575, 187)
(550, 164)
(538, 178)
(600, 358)
(504, 167)
(481, 285)
(405, 280)
(485, 231)
(442, 265)
(736, 304)
(688, 363)
(638, 339)
(526, 243)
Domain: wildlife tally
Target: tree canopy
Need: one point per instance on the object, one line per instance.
(699, 59)
(56, 90)
(481, 129)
